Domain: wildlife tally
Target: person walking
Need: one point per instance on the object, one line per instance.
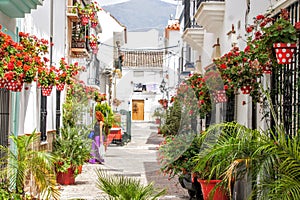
(98, 150)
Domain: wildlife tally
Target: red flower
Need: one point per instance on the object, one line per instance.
(249, 29)
(225, 87)
(10, 66)
(223, 66)
(259, 17)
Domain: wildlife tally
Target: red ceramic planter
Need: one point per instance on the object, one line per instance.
(284, 52)
(66, 178)
(207, 187)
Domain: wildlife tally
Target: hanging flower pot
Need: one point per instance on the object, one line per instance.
(246, 89)
(60, 87)
(284, 52)
(207, 187)
(13, 85)
(46, 90)
(2, 83)
(267, 69)
(84, 20)
(220, 96)
(93, 45)
(94, 24)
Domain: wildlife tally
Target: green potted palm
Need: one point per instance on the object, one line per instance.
(210, 167)
(71, 150)
(126, 188)
(23, 166)
(269, 159)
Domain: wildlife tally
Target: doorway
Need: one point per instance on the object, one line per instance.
(138, 109)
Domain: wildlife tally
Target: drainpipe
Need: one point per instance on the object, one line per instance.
(43, 123)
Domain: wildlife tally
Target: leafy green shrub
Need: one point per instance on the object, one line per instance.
(125, 188)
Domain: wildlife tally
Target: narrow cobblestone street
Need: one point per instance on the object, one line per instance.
(136, 159)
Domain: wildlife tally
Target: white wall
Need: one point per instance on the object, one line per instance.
(38, 23)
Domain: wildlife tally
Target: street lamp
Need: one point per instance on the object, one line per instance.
(162, 86)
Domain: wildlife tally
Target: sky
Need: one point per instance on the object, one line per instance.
(111, 2)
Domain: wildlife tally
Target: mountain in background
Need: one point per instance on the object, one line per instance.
(142, 15)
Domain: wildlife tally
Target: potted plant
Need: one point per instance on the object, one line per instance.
(278, 33)
(239, 70)
(209, 168)
(93, 41)
(175, 156)
(267, 159)
(66, 73)
(195, 93)
(122, 187)
(46, 79)
(71, 150)
(21, 163)
(158, 114)
(215, 83)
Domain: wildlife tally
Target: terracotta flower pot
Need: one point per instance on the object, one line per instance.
(284, 52)
(208, 186)
(66, 178)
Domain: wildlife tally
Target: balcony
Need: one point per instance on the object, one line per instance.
(72, 13)
(18, 8)
(210, 15)
(194, 37)
(79, 49)
(79, 44)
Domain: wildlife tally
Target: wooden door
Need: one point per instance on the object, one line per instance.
(138, 109)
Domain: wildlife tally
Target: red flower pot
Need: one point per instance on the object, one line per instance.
(66, 178)
(208, 186)
(15, 86)
(2, 83)
(220, 96)
(284, 52)
(246, 89)
(84, 19)
(93, 45)
(94, 24)
(46, 90)
(267, 69)
(60, 87)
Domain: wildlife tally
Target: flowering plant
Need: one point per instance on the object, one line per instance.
(265, 31)
(175, 153)
(32, 56)
(199, 93)
(238, 69)
(67, 72)
(213, 80)
(46, 76)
